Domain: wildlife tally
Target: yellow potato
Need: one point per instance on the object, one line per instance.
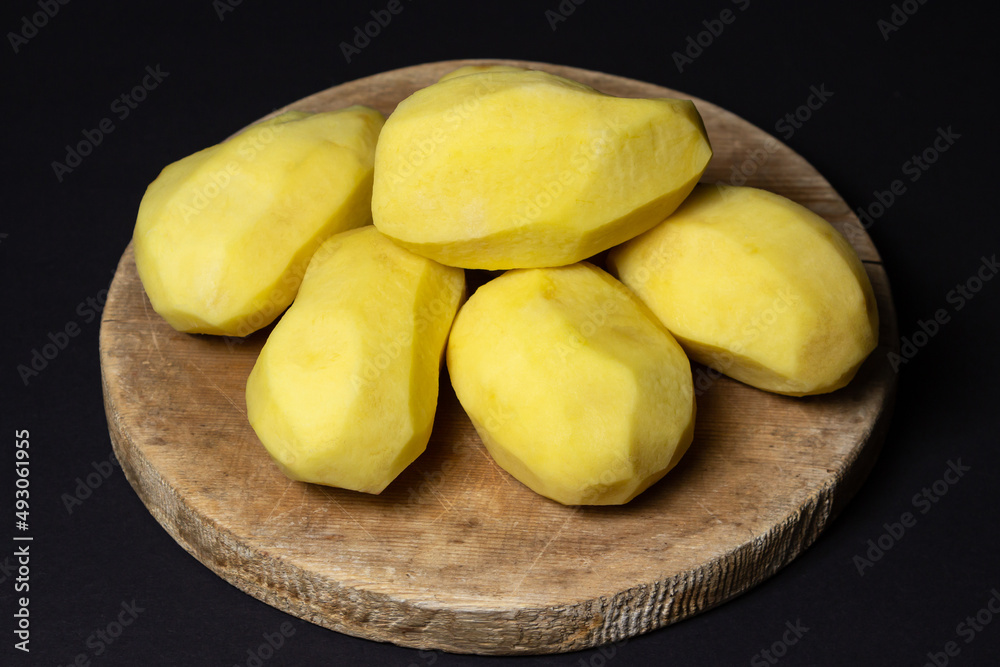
(757, 287)
(478, 69)
(223, 236)
(573, 386)
(510, 168)
(345, 389)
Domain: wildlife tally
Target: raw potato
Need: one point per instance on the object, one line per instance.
(508, 168)
(573, 386)
(345, 389)
(223, 236)
(479, 69)
(757, 287)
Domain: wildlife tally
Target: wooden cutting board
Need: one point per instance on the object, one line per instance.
(456, 554)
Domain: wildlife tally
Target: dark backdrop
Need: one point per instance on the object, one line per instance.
(896, 75)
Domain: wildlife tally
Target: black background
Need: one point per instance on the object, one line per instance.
(61, 242)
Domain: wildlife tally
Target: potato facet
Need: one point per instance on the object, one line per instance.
(758, 287)
(573, 386)
(223, 236)
(509, 168)
(479, 69)
(345, 389)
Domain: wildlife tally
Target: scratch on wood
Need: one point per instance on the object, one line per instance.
(288, 485)
(152, 330)
(496, 468)
(437, 518)
(441, 499)
(544, 549)
(219, 389)
(710, 513)
(349, 515)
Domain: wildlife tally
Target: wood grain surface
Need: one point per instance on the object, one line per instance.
(456, 554)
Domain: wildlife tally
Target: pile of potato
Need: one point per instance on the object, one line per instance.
(577, 380)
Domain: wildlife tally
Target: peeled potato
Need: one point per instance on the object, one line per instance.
(758, 287)
(510, 168)
(223, 236)
(479, 69)
(345, 389)
(573, 386)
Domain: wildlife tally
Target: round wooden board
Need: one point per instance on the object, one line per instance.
(456, 554)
